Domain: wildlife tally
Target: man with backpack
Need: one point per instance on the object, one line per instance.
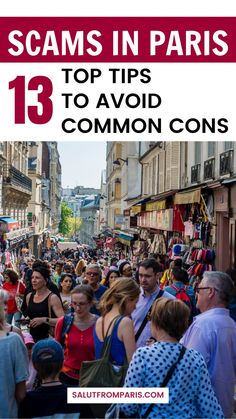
(181, 290)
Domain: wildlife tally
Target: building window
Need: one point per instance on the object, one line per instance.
(211, 149)
(198, 152)
(229, 145)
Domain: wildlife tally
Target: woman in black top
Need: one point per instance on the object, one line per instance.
(43, 307)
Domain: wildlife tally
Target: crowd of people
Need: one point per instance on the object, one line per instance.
(60, 311)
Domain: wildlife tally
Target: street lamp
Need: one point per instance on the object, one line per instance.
(43, 186)
(117, 161)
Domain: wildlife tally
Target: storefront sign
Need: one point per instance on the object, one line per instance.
(18, 234)
(119, 219)
(30, 219)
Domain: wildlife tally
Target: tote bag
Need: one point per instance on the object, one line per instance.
(101, 372)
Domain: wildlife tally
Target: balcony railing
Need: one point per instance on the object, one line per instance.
(226, 162)
(195, 173)
(14, 177)
(209, 169)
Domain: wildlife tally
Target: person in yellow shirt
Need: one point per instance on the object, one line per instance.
(166, 278)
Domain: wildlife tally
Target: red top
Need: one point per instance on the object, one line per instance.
(12, 289)
(79, 346)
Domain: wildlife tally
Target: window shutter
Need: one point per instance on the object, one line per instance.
(174, 166)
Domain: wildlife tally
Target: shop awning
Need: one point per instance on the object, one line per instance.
(158, 202)
(106, 233)
(188, 197)
(212, 185)
(155, 206)
(8, 220)
(18, 235)
(164, 195)
(8, 224)
(136, 207)
(126, 236)
(229, 180)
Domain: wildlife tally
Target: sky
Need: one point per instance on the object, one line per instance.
(82, 163)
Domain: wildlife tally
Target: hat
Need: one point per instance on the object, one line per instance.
(113, 268)
(28, 338)
(48, 350)
(176, 251)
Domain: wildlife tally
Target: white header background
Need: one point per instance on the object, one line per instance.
(187, 90)
(119, 8)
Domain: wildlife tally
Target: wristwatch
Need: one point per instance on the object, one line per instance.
(47, 320)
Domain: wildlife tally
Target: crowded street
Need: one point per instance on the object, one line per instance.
(118, 279)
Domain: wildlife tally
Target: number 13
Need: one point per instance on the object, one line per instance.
(34, 115)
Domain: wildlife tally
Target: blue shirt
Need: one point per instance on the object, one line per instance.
(142, 307)
(232, 308)
(213, 334)
(118, 352)
(190, 391)
(100, 291)
(14, 369)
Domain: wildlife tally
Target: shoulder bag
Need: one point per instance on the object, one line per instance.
(167, 377)
(145, 320)
(101, 372)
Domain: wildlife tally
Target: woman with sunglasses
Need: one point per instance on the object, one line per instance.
(79, 343)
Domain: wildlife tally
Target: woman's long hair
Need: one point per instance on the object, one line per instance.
(13, 276)
(111, 271)
(121, 290)
(79, 267)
